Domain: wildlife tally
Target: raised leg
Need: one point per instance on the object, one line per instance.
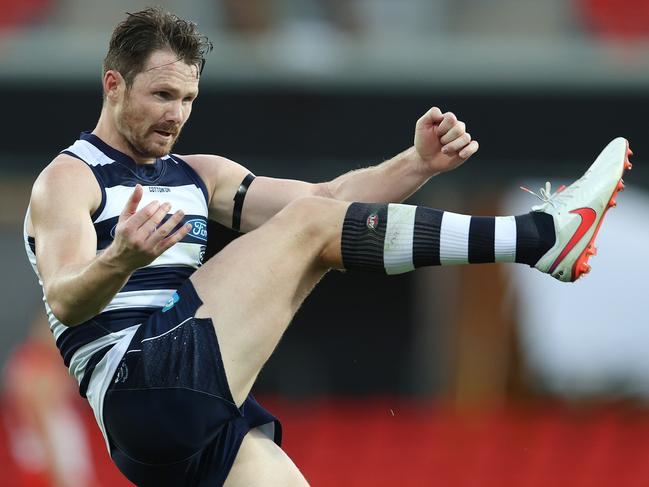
(254, 286)
(252, 289)
(261, 463)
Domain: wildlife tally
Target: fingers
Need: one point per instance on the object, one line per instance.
(164, 230)
(457, 145)
(449, 122)
(165, 240)
(469, 150)
(463, 147)
(454, 137)
(431, 117)
(152, 223)
(144, 215)
(131, 205)
(145, 223)
(174, 238)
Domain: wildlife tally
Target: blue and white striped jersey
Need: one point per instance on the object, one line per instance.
(149, 288)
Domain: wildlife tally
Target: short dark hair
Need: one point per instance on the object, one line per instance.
(141, 33)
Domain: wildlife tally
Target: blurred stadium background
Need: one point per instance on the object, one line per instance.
(472, 376)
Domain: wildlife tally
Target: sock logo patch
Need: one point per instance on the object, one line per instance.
(372, 221)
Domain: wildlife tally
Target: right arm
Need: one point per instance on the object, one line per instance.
(77, 283)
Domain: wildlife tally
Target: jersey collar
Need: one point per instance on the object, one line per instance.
(144, 171)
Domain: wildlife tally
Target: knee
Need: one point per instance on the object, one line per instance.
(315, 223)
(313, 215)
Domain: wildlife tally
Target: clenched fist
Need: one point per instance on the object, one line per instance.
(442, 142)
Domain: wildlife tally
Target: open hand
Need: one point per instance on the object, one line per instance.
(442, 142)
(139, 237)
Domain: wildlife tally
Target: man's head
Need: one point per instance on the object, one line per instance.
(141, 33)
(151, 77)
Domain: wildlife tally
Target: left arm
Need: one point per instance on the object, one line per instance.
(441, 144)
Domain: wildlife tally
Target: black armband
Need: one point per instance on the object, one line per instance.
(238, 201)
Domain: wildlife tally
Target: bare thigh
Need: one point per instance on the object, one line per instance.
(253, 287)
(260, 462)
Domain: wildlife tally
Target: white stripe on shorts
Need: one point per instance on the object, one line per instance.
(505, 239)
(399, 234)
(454, 239)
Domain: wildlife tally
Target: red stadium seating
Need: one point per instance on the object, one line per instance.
(14, 13)
(382, 442)
(361, 443)
(11, 475)
(627, 19)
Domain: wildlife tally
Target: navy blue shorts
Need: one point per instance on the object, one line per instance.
(169, 414)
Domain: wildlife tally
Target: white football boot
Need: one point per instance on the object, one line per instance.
(578, 211)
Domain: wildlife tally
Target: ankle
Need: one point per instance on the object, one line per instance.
(535, 236)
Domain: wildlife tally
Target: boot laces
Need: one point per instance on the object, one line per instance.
(545, 194)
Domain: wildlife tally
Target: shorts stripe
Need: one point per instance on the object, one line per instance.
(168, 331)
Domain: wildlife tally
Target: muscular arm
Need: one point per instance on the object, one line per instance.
(77, 283)
(441, 144)
(391, 181)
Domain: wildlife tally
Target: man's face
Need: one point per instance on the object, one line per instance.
(151, 114)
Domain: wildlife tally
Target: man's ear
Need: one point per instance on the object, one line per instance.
(113, 84)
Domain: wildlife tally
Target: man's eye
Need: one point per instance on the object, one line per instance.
(162, 94)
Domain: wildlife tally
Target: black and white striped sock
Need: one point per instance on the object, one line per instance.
(396, 238)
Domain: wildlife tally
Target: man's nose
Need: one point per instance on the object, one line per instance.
(175, 113)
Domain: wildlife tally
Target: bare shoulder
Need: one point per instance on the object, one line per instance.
(63, 172)
(210, 164)
(215, 171)
(66, 181)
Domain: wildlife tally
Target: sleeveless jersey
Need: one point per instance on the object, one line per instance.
(149, 288)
